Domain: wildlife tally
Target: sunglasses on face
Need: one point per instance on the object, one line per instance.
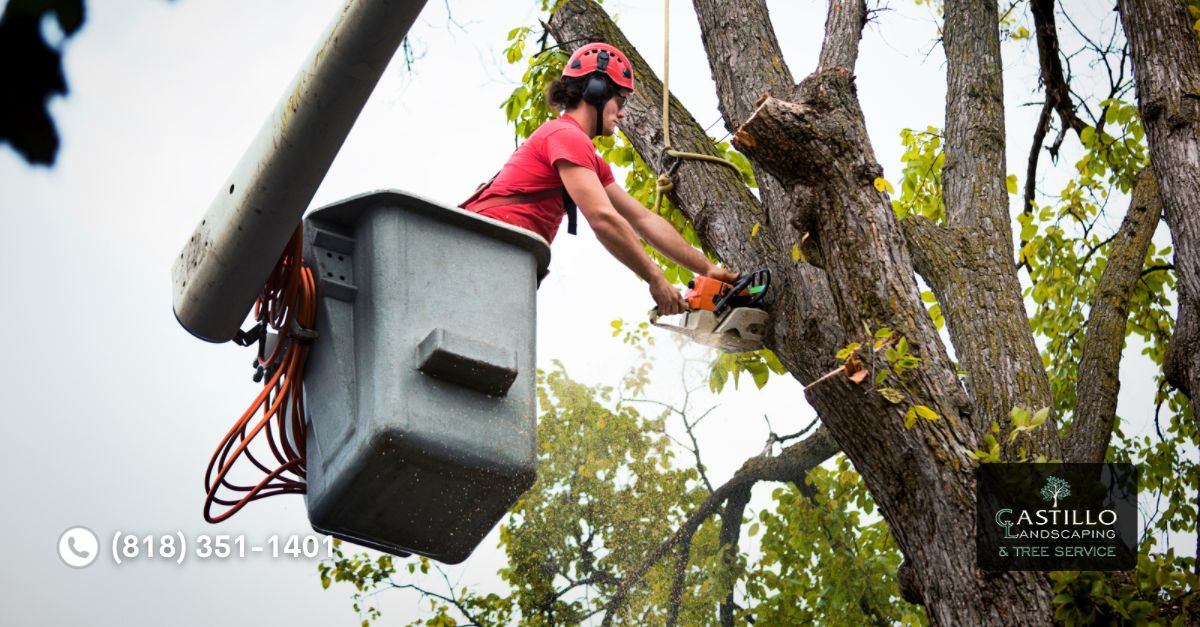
(621, 101)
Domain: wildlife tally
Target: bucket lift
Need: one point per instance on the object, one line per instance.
(422, 417)
(419, 425)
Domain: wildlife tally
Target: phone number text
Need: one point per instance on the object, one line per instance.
(177, 547)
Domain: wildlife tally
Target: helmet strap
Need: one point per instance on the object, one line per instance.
(599, 121)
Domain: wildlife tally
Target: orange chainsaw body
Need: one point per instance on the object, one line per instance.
(704, 293)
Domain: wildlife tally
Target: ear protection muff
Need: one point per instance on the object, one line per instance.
(599, 89)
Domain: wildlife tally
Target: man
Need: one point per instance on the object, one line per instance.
(559, 156)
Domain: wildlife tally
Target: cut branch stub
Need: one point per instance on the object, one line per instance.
(805, 142)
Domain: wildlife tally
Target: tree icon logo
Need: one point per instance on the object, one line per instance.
(1055, 489)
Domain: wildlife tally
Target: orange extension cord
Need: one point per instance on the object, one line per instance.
(288, 305)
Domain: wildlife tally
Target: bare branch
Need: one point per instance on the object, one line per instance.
(1165, 267)
(689, 427)
(1057, 93)
(446, 599)
(1035, 151)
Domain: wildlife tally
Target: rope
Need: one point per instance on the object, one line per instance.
(287, 304)
(666, 76)
(664, 184)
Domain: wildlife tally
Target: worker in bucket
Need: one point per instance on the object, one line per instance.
(557, 169)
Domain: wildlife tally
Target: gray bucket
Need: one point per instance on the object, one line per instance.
(419, 390)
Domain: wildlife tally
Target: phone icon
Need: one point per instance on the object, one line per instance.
(80, 553)
(78, 547)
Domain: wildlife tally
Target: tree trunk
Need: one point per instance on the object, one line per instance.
(1166, 67)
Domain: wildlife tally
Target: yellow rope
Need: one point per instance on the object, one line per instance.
(666, 75)
(664, 183)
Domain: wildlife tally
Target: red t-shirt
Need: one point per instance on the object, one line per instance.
(531, 169)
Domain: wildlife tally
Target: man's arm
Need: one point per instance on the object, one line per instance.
(662, 236)
(616, 235)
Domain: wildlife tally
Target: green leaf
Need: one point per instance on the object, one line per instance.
(759, 371)
(1019, 416)
(910, 418)
(926, 413)
(1010, 183)
(893, 395)
(1087, 136)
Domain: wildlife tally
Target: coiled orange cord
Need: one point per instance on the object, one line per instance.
(287, 304)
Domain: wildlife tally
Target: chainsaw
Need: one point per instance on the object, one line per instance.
(724, 316)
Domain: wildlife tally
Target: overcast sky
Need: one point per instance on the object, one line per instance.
(112, 410)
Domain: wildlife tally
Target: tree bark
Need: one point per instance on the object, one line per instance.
(1099, 382)
(1058, 92)
(921, 478)
(976, 280)
(1166, 68)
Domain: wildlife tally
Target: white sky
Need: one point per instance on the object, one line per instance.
(113, 410)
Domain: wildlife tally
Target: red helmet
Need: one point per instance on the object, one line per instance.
(602, 58)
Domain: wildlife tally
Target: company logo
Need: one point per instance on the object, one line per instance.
(1056, 488)
(1056, 516)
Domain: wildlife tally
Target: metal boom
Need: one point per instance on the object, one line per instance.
(222, 267)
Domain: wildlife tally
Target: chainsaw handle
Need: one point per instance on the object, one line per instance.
(761, 276)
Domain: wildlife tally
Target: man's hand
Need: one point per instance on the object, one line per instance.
(721, 274)
(666, 297)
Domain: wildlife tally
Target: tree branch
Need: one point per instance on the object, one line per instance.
(821, 141)
(743, 54)
(1099, 367)
(445, 599)
(1058, 94)
(731, 531)
(843, 31)
(681, 562)
(1035, 153)
(789, 466)
(689, 428)
(746, 62)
